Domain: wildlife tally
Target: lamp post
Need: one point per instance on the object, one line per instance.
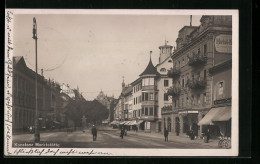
(36, 132)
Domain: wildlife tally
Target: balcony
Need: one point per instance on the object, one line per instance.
(167, 109)
(149, 118)
(174, 72)
(198, 83)
(149, 87)
(197, 60)
(174, 91)
(150, 102)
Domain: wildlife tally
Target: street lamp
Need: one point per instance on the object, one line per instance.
(36, 132)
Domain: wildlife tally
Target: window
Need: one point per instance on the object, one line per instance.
(148, 81)
(192, 76)
(204, 98)
(220, 89)
(182, 101)
(146, 111)
(205, 50)
(198, 74)
(142, 110)
(151, 111)
(175, 103)
(139, 112)
(183, 82)
(205, 74)
(192, 99)
(187, 101)
(183, 61)
(162, 70)
(199, 51)
(170, 61)
(198, 99)
(145, 96)
(151, 96)
(166, 83)
(166, 97)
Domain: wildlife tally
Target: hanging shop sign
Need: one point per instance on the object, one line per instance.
(223, 43)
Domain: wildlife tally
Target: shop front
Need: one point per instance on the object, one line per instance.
(218, 120)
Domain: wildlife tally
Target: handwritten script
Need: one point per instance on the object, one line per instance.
(8, 80)
(56, 152)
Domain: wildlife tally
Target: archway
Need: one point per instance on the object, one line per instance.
(177, 125)
(185, 125)
(169, 124)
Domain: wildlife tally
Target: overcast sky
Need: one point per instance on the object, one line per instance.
(95, 51)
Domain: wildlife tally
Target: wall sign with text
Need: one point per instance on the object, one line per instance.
(223, 43)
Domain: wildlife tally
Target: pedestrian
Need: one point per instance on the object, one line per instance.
(166, 133)
(192, 134)
(94, 133)
(208, 134)
(122, 133)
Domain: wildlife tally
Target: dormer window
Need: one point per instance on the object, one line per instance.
(162, 70)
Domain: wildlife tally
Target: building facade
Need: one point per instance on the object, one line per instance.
(164, 82)
(192, 87)
(218, 119)
(24, 97)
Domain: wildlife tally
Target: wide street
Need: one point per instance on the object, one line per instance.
(109, 138)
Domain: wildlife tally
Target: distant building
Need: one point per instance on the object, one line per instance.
(106, 101)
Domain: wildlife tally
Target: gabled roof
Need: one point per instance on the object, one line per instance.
(127, 90)
(150, 69)
(18, 59)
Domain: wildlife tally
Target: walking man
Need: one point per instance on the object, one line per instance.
(166, 133)
(94, 133)
(122, 133)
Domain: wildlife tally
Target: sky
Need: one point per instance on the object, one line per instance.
(94, 52)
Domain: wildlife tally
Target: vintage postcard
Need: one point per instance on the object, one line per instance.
(121, 83)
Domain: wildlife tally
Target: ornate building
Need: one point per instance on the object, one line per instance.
(198, 49)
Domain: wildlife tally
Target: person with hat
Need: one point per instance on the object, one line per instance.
(94, 133)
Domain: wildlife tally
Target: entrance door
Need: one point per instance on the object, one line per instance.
(177, 125)
(169, 124)
(159, 126)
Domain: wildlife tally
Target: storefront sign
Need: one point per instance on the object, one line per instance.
(223, 43)
(185, 112)
(222, 101)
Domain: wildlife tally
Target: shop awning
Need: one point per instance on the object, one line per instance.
(114, 123)
(139, 122)
(216, 114)
(122, 123)
(129, 123)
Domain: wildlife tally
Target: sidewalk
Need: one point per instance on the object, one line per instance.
(213, 143)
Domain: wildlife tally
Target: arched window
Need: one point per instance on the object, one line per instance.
(162, 70)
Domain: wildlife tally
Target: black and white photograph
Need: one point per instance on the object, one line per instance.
(121, 82)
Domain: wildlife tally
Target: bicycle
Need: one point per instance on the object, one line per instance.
(224, 142)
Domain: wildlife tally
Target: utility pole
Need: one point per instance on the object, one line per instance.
(36, 131)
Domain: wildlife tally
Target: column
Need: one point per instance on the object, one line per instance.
(199, 118)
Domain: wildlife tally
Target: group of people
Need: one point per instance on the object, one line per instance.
(123, 133)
